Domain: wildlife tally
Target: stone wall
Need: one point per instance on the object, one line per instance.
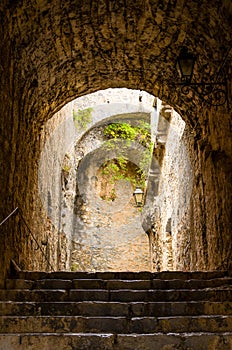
(169, 208)
(53, 52)
(210, 152)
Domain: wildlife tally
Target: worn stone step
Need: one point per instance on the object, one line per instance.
(19, 284)
(191, 284)
(48, 341)
(138, 325)
(169, 275)
(151, 295)
(116, 295)
(165, 275)
(187, 341)
(112, 284)
(169, 295)
(68, 275)
(33, 295)
(151, 284)
(116, 284)
(51, 341)
(78, 284)
(101, 308)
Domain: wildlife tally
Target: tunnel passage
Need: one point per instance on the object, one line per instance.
(54, 52)
(100, 226)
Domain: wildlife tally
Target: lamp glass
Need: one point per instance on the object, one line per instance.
(185, 66)
(138, 196)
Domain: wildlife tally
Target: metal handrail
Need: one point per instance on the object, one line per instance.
(29, 230)
(38, 245)
(4, 220)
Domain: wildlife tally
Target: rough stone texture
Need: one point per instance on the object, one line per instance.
(107, 235)
(52, 52)
(169, 231)
(50, 317)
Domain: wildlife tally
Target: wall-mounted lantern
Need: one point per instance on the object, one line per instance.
(138, 196)
(185, 66)
(214, 93)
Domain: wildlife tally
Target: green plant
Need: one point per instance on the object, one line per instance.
(139, 132)
(120, 130)
(82, 118)
(66, 168)
(74, 267)
(120, 168)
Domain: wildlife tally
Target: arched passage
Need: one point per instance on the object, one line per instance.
(75, 217)
(54, 52)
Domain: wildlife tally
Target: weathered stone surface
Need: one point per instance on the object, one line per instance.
(33, 295)
(88, 318)
(170, 295)
(51, 341)
(19, 284)
(29, 275)
(89, 284)
(172, 342)
(123, 342)
(177, 308)
(53, 52)
(190, 284)
(53, 284)
(99, 308)
(103, 324)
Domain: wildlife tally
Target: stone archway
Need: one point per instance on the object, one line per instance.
(69, 146)
(54, 52)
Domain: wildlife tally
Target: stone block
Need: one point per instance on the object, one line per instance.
(53, 284)
(89, 284)
(88, 295)
(19, 284)
(129, 284)
(57, 341)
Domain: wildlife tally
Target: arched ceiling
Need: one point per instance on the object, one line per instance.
(62, 49)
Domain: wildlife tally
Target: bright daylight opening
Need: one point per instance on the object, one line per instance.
(107, 148)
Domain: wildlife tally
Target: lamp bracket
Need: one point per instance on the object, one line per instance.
(213, 94)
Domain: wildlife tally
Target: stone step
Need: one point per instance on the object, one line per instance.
(151, 284)
(138, 325)
(120, 311)
(109, 341)
(165, 275)
(125, 295)
(188, 341)
(116, 284)
(101, 308)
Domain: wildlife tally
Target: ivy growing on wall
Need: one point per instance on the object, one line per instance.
(82, 118)
(140, 133)
(117, 169)
(120, 168)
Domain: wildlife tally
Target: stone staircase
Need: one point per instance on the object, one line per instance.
(116, 310)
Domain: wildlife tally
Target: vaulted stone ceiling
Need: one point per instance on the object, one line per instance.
(63, 49)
